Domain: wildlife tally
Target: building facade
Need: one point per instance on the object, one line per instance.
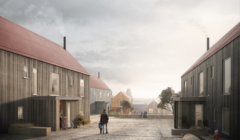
(100, 95)
(39, 80)
(210, 88)
(116, 100)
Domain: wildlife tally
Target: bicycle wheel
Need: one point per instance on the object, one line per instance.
(69, 125)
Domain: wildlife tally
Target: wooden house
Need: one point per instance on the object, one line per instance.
(39, 80)
(152, 108)
(100, 95)
(210, 88)
(116, 100)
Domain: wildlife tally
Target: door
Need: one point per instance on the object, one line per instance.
(198, 115)
(68, 113)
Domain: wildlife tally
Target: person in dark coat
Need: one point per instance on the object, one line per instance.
(104, 120)
(145, 114)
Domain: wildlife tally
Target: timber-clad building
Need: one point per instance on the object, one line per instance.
(39, 80)
(210, 88)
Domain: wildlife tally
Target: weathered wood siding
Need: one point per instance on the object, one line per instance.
(17, 91)
(213, 88)
(115, 101)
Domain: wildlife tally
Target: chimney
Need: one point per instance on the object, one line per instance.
(207, 43)
(99, 75)
(64, 43)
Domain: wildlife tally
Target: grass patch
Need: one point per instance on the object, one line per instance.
(21, 125)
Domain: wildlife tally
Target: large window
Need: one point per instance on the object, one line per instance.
(100, 96)
(54, 84)
(150, 110)
(225, 120)
(20, 112)
(227, 76)
(82, 87)
(120, 103)
(66, 85)
(25, 70)
(201, 84)
(34, 84)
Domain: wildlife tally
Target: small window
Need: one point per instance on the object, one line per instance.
(25, 69)
(35, 78)
(150, 110)
(212, 71)
(66, 85)
(100, 96)
(20, 112)
(82, 87)
(159, 110)
(185, 88)
(214, 114)
(227, 76)
(71, 80)
(201, 84)
(225, 120)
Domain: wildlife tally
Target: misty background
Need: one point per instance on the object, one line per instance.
(144, 45)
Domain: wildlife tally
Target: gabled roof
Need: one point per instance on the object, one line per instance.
(227, 38)
(96, 82)
(152, 102)
(16, 39)
(123, 94)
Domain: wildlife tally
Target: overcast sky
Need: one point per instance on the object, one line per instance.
(144, 45)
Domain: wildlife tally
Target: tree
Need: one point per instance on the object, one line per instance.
(166, 100)
(126, 105)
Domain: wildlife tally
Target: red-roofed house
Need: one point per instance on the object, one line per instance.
(210, 88)
(100, 95)
(39, 80)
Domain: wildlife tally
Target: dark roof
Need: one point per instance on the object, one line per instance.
(227, 38)
(16, 39)
(96, 82)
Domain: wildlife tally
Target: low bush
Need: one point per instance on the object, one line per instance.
(85, 121)
(21, 125)
(199, 128)
(113, 115)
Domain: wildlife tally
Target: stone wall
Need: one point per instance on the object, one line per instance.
(148, 116)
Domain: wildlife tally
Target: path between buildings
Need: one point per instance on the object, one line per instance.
(119, 129)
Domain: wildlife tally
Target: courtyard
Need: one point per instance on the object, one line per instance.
(118, 128)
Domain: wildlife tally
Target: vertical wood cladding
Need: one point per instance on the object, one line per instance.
(17, 91)
(213, 88)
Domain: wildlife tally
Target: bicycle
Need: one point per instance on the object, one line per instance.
(67, 124)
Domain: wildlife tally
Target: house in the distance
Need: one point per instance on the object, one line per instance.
(100, 95)
(154, 110)
(116, 102)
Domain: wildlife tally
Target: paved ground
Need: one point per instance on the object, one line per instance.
(119, 129)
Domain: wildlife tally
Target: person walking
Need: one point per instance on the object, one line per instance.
(104, 120)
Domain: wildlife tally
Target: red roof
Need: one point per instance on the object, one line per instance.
(227, 38)
(96, 82)
(16, 39)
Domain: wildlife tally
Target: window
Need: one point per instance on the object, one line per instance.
(159, 110)
(185, 88)
(150, 110)
(71, 81)
(20, 112)
(34, 81)
(25, 69)
(96, 95)
(82, 87)
(225, 120)
(201, 84)
(164, 111)
(212, 71)
(214, 115)
(100, 96)
(120, 103)
(66, 85)
(108, 97)
(227, 76)
(54, 84)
